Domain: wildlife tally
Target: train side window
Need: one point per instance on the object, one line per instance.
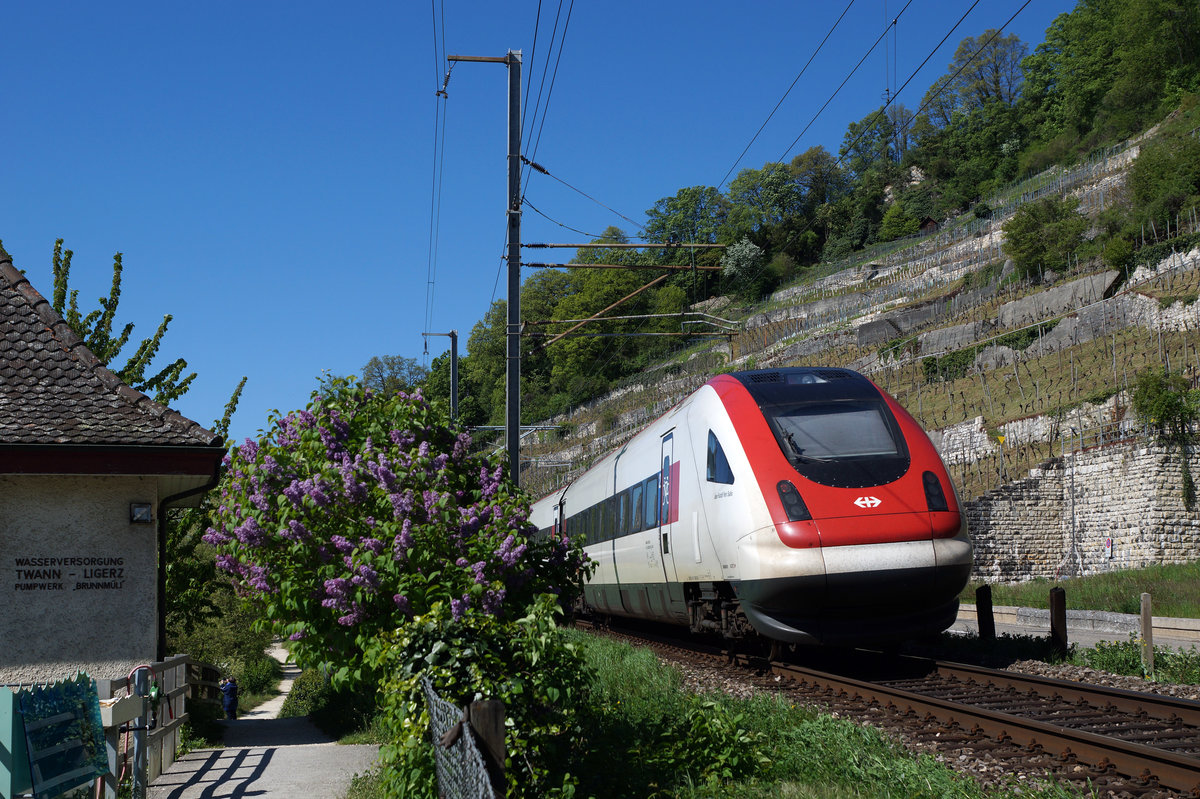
(718, 465)
(639, 510)
(651, 503)
(623, 520)
(608, 518)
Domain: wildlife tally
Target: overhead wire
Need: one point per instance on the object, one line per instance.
(539, 168)
(912, 75)
(945, 84)
(844, 81)
(796, 80)
(553, 79)
(528, 120)
(555, 221)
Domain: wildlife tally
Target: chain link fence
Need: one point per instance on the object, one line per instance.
(461, 770)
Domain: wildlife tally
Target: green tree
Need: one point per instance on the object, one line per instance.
(897, 223)
(742, 266)
(1043, 234)
(696, 214)
(985, 69)
(391, 373)
(96, 330)
(1167, 403)
(1165, 178)
(762, 198)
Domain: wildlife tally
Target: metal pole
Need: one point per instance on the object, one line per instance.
(453, 334)
(141, 687)
(453, 375)
(512, 417)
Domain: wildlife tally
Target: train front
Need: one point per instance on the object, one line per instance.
(867, 543)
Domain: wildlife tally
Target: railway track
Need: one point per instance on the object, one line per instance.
(1119, 743)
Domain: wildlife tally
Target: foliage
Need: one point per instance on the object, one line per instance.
(1165, 178)
(1125, 657)
(96, 330)
(336, 712)
(897, 223)
(363, 510)
(1167, 403)
(986, 68)
(742, 266)
(203, 729)
(226, 638)
(527, 664)
(638, 713)
(1044, 233)
(695, 214)
(388, 374)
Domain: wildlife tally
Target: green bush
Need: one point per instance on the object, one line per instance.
(1044, 234)
(528, 664)
(259, 674)
(308, 691)
(1166, 401)
(336, 712)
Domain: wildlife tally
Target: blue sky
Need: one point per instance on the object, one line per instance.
(267, 167)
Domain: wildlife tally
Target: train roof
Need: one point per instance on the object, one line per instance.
(816, 382)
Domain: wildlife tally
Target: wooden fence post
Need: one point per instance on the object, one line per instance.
(487, 721)
(1147, 637)
(1058, 620)
(983, 613)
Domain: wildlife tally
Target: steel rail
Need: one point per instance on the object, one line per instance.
(1173, 771)
(1187, 711)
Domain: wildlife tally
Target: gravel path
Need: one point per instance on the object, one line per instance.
(267, 757)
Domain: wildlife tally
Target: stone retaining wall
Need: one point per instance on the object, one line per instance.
(1057, 521)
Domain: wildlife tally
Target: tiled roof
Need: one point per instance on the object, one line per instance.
(53, 390)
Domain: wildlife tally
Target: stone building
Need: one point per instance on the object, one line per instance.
(88, 467)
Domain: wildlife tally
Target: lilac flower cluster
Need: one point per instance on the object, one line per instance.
(373, 529)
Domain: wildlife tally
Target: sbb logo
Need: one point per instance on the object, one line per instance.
(868, 502)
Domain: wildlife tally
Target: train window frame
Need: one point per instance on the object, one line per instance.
(717, 468)
(650, 500)
(638, 506)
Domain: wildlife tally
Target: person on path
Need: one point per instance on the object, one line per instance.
(230, 689)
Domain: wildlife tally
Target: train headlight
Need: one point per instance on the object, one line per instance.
(935, 497)
(793, 504)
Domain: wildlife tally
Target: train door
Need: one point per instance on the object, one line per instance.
(668, 504)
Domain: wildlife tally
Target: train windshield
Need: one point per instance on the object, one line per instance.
(846, 443)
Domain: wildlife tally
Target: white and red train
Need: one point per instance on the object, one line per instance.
(802, 503)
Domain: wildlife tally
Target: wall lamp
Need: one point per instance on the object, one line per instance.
(141, 513)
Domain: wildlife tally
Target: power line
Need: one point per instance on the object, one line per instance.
(949, 80)
(539, 168)
(537, 24)
(525, 118)
(553, 78)
(754, 138)
(525, 201)
(842, 85)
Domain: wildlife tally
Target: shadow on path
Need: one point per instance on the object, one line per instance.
(267, 757)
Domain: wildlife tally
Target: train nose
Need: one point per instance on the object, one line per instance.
(878, 585)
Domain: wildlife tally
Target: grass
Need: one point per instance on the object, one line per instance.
(800, 752)
(690, 746)
(1174, 591)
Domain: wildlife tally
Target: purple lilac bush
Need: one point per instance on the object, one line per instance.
(349, 518)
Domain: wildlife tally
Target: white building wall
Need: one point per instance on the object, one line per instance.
(77, 578)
